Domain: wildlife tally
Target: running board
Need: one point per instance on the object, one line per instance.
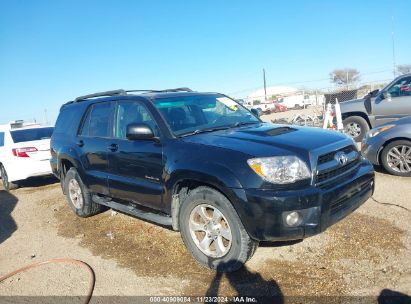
(161, 219)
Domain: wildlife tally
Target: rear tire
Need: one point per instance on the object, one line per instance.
(356, 127)
(79, 197)
(207, 222)
(394, 161)
(7, 185)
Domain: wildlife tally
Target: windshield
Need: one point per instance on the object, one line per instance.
(188, 114)
(31, 134)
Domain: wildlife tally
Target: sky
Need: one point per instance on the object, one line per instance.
(53, 51)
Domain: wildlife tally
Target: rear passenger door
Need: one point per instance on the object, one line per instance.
(135, 166)
(93, 144)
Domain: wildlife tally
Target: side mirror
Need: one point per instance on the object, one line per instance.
(256, 112)
(386, 95)
(138, 131)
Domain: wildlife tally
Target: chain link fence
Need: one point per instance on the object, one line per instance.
(315, 100)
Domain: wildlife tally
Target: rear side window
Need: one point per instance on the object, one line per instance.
(31, 134)
(1, 139)
(66, 121)
(97, 121)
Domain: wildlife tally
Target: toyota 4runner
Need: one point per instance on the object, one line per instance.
(206, 166)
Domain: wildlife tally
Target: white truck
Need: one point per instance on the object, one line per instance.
(265, 107)
(296, 101)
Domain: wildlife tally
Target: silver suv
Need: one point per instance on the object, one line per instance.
(378, 107)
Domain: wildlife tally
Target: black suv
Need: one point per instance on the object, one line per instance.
(206, 166)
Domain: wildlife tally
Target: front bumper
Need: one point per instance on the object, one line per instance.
(263, 212)
(371, 148)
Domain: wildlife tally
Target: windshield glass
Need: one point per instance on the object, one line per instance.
(202, 112)
(31, 134)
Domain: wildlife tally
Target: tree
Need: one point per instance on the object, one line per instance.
(345, 76)
(404, 69)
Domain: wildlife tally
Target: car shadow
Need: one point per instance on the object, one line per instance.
(247, 284)
(7, 224)
(35, 182)
(279, 243)
(388, 296)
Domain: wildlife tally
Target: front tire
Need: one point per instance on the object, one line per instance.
(7, 185)
(396, 158)
(213, 232)
(79, 197)
(356, 127)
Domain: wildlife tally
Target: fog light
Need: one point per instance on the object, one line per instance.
(293, 219)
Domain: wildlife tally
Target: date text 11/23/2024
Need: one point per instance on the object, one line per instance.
(203, 299)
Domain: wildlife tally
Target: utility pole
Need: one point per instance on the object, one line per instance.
(346, 71)
(45, 117)
(393, 46)
(265, 87)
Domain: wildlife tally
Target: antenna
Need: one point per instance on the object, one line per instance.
(265, 86)
(393, 47)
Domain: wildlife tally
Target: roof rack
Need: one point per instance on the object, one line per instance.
(124, 92)
(162, 91)
(101, 94)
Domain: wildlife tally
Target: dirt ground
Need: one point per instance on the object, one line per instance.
(366, 254)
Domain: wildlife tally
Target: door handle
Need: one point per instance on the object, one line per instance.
(80, 143)
(113, 147)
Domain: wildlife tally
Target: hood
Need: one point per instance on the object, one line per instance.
(401, 121)
(266, 139)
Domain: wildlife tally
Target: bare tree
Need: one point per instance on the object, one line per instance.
(404, 69)
(345, 76)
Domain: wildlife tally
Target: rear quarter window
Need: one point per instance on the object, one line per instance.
(1, 139)
(68, 120)
(31, 134)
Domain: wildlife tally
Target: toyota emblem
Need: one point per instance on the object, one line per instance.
(341, 157)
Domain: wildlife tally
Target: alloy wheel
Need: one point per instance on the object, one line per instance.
(399, 158)
(210, 230)
(353, 129)
(76, 196)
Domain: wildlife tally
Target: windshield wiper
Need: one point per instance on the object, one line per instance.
(198, 131)
(244, 123)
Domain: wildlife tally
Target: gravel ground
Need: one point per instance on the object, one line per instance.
(366, 254)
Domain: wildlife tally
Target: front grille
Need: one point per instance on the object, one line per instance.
(330, 156)
(339, 171)
(329, 169)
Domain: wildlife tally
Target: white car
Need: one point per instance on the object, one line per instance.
(24, 152)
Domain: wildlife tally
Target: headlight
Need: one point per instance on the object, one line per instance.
(376, 131)
(280, 169)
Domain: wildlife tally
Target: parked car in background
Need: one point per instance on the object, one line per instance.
(378, 107)
(207, 167)
(24, 152)
(389, 145)
(279, 107)
(265, 107)
(295, 101)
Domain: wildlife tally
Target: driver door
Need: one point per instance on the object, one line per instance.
(393, 102)
(135, 166)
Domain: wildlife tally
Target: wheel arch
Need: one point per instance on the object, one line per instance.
(65, 162)
(361, 114)
(183, 186)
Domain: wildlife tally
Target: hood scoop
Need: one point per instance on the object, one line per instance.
(271, 131)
